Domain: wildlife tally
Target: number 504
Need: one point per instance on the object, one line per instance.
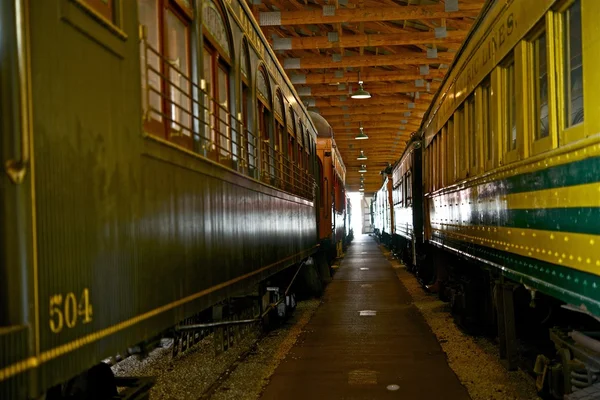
(68, 310)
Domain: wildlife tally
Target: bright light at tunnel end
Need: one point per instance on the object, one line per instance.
(357, 212)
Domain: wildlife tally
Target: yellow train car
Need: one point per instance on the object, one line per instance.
(512, 168)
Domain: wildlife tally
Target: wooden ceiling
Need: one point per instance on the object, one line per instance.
(401, 48)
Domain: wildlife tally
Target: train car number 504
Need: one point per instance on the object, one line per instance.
(67, 311)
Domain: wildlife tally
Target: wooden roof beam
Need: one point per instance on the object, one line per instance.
(368, 40)
(412, 58)
(375, 100)
(374, 136)
(373, 126)
(418, 111)
(356, 118)
(348, 15)
(373, 89)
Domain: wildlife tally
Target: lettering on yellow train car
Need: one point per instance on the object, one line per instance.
(503, 35)
(67, 311)
(486, 53)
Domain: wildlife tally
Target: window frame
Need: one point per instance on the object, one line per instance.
(106, 10)
(462, 142)
(442, 158)
(248, 148)
(509, 155)
(541, 145)
(265, 126)
(491, 143)
(472, 119)
(567, 134)
(450, 151)
(162, 127)
(436, 163)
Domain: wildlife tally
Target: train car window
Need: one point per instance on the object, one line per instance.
(472, 135)
(209, 110)
(434, 164)
(248, 140)
(264, 123)
(572, 70)
(426, 170)
(542, 101)
(225, 148)
(487, 114)
(428, 167)
(450, 152)
(311, 153)
(166, 66)
(217, 70)
(177, 40)
(442, 165)
(429, 164)
(291, 167)
(509, 108)
(105, 8)
(401, 193)
(540, 85)
(151, 65)
(438, 158)
(460, 121)
(279, 137)
(408, 184)
(291, 132)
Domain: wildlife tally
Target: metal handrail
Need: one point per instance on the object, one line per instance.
(209, 129)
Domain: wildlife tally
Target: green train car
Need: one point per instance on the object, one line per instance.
(156, 160)
(511, 184)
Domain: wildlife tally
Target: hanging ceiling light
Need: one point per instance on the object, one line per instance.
(361, 135)
(362, 156)
(362, 169)
(361, 189)
(361, 93)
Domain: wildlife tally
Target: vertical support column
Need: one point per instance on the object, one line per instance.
(507, 334)
(218, 336)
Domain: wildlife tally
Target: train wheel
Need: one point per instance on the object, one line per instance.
(97, 383)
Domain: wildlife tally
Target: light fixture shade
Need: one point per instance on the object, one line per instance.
(361, 190)
(361, 135)
(362, 156)
(361, 93)
(362, 169)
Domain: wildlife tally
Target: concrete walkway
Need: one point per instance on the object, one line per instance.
(367, 341)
